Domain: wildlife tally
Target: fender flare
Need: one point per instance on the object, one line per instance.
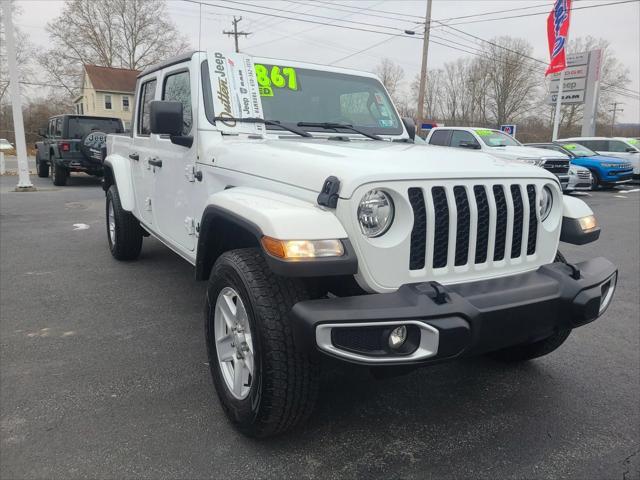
(572, 232)
(120, 171)
(260, 213)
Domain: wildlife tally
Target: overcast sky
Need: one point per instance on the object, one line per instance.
(278, 37)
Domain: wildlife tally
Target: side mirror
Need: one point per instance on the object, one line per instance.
(42, 132)
(472, 145)
(166, 118)
(410, 125)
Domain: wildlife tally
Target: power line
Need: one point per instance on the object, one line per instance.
(545, 12)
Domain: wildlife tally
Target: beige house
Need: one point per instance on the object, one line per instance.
(107, 92)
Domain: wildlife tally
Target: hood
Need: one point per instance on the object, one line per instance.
(524, 152)
(306, 163)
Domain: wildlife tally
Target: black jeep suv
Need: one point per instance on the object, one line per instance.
(73, 143)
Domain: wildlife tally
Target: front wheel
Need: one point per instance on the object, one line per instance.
(265, 383)
(123, 229)
(595, 181)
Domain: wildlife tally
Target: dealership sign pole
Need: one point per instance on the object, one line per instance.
(558, 35)
(24, 182)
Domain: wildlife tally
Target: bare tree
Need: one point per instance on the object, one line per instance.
(434, 90)
(513, 85)
(391, 74)
(24, 52)
(613, 74)
(112, 33)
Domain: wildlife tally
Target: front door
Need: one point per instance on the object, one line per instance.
(174, 179)
(142, 152)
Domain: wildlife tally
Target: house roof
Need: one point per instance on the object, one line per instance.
(108, 79)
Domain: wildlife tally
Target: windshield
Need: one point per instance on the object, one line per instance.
(578, 150)
(634, 142)
(292, 95)
(494, 138)
(81, 126)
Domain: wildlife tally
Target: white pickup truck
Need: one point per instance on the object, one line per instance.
(296, 190)
(501, 145)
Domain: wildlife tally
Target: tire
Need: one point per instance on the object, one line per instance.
(41, 167)
(595, 180)
(282, 389)
(59, 174)
(529, 351)
(124, 232)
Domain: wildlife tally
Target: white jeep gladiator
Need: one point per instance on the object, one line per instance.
(297, 191)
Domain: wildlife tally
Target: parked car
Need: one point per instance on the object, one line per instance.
(5, 144)
(620, 147)
(297, 191)
(605, 171)
(579, 179)
(73, 143)
(501, 145)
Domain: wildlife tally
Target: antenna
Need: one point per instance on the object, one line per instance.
(235, 32)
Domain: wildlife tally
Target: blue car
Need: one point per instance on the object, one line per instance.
(605, 171)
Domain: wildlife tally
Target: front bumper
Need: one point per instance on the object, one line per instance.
(447, 322)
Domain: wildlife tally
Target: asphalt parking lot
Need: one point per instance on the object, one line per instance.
(103, 373)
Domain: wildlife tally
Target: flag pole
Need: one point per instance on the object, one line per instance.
(556, 118)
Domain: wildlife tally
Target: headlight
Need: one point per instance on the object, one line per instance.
(375, 213)
(546, 202)
(533, 161)
(573, 170)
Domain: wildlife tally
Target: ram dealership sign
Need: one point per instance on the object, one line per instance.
(581, 85)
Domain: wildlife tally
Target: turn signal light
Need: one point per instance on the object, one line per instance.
(298, 249)
(64, 146)
(588, 223)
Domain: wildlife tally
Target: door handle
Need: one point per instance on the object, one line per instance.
(155, 162)
(134, 156)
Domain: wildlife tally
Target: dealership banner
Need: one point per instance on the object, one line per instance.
(557, 34)
(235, 92)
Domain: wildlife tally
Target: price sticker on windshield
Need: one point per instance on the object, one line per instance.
(633, 141)
(273, 77)
(570, 146)
(484, 132)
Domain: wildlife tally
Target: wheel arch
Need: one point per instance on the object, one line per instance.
(118, 172)
(239, 218)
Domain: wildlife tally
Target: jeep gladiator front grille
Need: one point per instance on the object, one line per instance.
(472, 224)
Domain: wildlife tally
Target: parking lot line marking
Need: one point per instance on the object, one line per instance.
(619, 196)
(634, 190)
(80, 226)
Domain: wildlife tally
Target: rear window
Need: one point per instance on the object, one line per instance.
(78, 127)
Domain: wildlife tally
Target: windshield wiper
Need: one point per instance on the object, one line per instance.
(336, 126)
(277, 123)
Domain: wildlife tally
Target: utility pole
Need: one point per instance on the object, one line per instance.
(236, 33)
(24, 182)
(423, 71)
(614, 111)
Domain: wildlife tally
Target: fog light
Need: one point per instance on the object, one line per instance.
(606, 293)
(397, 337)
(588, 223)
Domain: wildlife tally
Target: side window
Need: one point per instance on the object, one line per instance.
(58, 131)
(50, 129)
(597, 145)
(440, 137)
(617, 146)
(147, 94)
(177, 88)
(460, 137)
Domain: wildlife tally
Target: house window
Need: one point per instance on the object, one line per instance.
(82, 109)
(125, 103)
(107, 102)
